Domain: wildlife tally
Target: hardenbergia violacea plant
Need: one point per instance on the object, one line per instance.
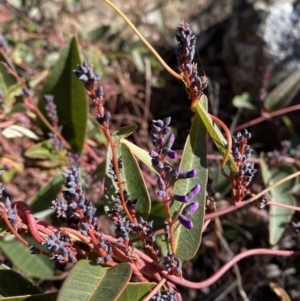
(134, 253)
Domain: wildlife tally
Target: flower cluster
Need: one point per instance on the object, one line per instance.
(145, 229)
(185, 54)
(169, 175)
(51, 112)
(74, 207)
(276, 158)
(173, 264)
(241, 151)
(10, 212)
(59, 245)
(165, 295)
(86, 75)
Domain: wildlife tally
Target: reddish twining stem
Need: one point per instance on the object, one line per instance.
(226, 267)
(25, 212)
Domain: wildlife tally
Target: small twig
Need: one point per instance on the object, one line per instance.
(155, 290)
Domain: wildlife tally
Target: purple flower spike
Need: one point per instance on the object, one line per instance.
(180, 198)
(171, 154)
(185, 222)
(188, 175)
(161, 183)
(194, 191)
(190, 209)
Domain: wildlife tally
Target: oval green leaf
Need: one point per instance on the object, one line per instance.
(279, 216)
(136, 291)
(141, 154)
(194, 154)
(69, 97)
(31, 265)
(91, 282)
(124, 132)
(134, 182)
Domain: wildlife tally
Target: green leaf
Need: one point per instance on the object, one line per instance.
(244, 101)
(136, 291)
(42, 200)
(140, 154)
(12, 284)
(45, 151)
(35, 80)
(124, 132)
(134, 182)
(131, 176)
(279, 216)
(69, 97)
(284, 93)
(215, 133)
(194, 154)
(38, 266)
(39, 297)
(88, 281)
(15, 130)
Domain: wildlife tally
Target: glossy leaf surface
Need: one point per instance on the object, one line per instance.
(279, 216)
(38, 266)
(187, 241)
(91, 282)
(69, 97)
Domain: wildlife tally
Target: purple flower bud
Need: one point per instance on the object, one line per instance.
(168, 169)
(7, 202)
(188, 175)
(165, 130)
(83, 78)
(185, 222)
(180, 198)
(190, 209)
(161, 183)
(160, 141)
(155, 162)
(161, 194)
(176, 171)
(171, 154)
(158, 122)
(167, 121)
(99, 92)
(194, 191)
(155, 128)
(170, 141)
(107, 116)
(153, 154)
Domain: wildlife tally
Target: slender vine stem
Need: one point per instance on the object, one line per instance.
(148, 45)
(257, 196)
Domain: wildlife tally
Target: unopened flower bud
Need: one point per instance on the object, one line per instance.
(185, 222)
(193, 192)
(190, 209)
